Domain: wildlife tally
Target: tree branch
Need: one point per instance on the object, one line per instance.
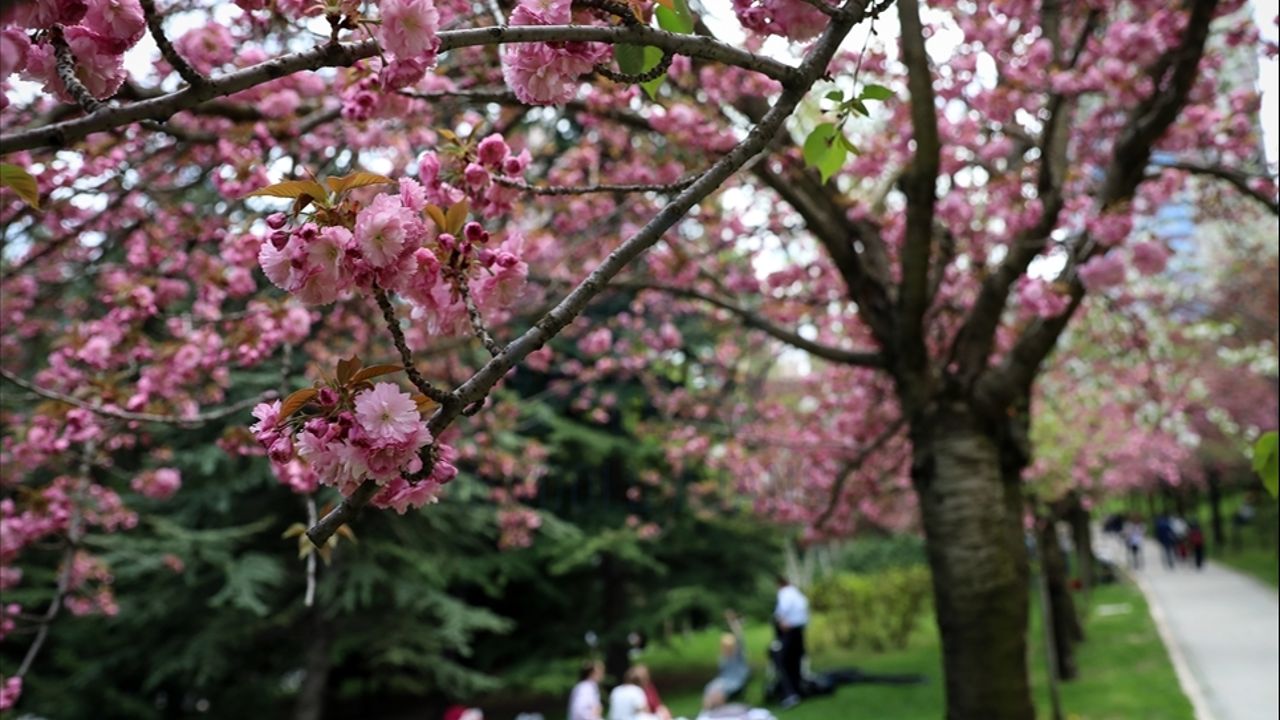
(853, 465)
(555, 190)
(155, 24)
(1237, 178)
(759, 322)
(475, 389)
(406, 356)
(343, 55)
(477, 320)
(998, 388)
(919, 183)
(99, 409)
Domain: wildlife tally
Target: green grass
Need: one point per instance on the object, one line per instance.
(1125, 671)
(1261, 563)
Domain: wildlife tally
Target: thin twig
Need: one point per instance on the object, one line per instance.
(477, 320)
(74, 530)
(406, 356)
(99, 409)
(852, 465)
(553, 190)
(155, 23)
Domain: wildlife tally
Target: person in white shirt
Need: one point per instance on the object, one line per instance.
(628, 701)
(791, 616)
(584, 701)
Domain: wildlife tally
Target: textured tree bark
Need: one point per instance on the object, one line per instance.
(310, 702)
(1082, 537)
(972, 514)
(614, 589)
(1067, 631)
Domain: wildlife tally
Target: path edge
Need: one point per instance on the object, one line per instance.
(1186, 678)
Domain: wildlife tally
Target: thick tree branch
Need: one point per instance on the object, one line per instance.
(976, 339)
(342, 55)
(1176, 73)
(855, 248)
(477, 388)
(919, 183)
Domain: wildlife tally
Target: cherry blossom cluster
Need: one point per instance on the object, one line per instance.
(375, 433)
(516, 526)
(97, 33)
(794, 19)
(548, 73)
(407, 31)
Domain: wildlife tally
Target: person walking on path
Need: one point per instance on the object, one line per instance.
(1195, 538)
(1222, 629)
(1134, 535)
(791, 615)
(1165, 536)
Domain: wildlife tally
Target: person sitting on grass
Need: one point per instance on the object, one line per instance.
(628, 701)
(733, 669)
(584, 701)
(645, 681)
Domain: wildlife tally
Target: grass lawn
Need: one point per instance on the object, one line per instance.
(1258, 562)
(1125, 671)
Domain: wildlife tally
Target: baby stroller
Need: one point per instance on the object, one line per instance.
(813, 683)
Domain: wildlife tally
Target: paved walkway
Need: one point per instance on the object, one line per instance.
(1223, 633)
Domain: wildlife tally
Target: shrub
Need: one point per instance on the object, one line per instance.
(872, 611)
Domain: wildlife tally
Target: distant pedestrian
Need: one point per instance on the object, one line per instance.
(1165, 536)
(1134, 535)
(1195, 538)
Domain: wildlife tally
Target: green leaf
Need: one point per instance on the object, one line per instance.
(824, 150)
(652, 56)
(835, 96)
(876, 92)
(1266, 461)
(858, 107)
(848, 144)
(677, 18)
(21, 182)
(630, 58)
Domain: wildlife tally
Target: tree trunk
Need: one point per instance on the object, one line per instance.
(1067, 631)
(971, 508)
(1082, 537)
(614, 634)
(316, 666)
(1215, 509)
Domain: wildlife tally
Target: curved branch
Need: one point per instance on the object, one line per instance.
(1237, 178)
(853, 465)
(759, 322)
(155, 24)
(99, 409)
(342, 55)
(477, 388)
